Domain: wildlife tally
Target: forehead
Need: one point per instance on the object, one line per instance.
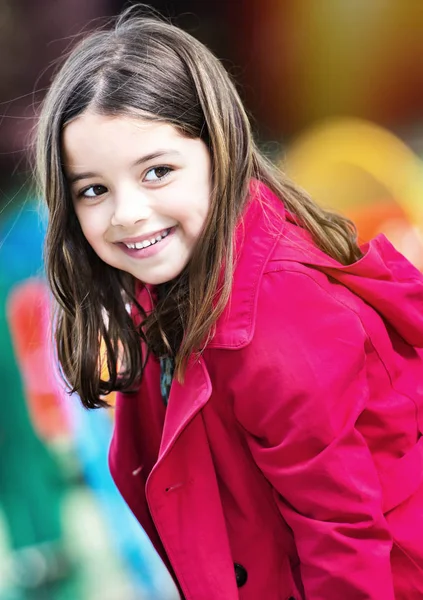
(95, 137)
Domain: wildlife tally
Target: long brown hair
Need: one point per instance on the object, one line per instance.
(146, 66)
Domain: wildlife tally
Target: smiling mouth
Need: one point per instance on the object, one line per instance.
(149, 242)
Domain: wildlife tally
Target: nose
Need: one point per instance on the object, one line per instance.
(130, 206)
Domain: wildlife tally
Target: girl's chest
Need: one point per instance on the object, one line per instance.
(205, 492)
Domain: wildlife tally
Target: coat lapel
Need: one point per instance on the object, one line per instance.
(185, 401)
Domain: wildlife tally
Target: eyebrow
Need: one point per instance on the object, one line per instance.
(74, 177)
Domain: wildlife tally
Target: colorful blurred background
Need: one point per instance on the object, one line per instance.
(335, 88)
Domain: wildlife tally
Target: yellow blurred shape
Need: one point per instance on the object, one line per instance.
(367, 173)
(360, 162)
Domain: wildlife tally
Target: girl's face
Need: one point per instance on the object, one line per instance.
(141, 192)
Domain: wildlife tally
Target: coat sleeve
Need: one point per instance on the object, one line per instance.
(302, 391)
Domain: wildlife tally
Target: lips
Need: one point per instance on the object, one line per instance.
(137, 243)
(144, 247)
(149, 241)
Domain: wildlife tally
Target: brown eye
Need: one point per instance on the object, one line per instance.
(157, 173)
(93, 191)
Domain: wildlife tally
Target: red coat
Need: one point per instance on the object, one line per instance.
(294, 447)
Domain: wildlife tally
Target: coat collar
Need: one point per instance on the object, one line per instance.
(256, 236)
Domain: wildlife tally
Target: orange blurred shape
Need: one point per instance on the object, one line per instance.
(389, 218)
(28, 314)
(104, 372)
(369, 218)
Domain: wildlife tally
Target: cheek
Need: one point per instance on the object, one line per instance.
(205, 206)
(90, 223)
(193, 217)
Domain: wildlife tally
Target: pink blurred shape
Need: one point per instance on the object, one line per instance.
(28, 314)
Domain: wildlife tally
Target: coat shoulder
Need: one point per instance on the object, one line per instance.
(292, 280)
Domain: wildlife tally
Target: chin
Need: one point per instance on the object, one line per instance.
(159, 278)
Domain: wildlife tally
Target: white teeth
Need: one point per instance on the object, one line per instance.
(146, 243)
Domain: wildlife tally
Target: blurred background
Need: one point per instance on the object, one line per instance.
(335, 90)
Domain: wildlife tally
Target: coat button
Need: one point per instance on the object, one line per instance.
(241, 575)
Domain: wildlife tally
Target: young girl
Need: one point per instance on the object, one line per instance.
(270, 372)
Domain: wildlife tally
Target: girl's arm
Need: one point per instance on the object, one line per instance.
(302, 390)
